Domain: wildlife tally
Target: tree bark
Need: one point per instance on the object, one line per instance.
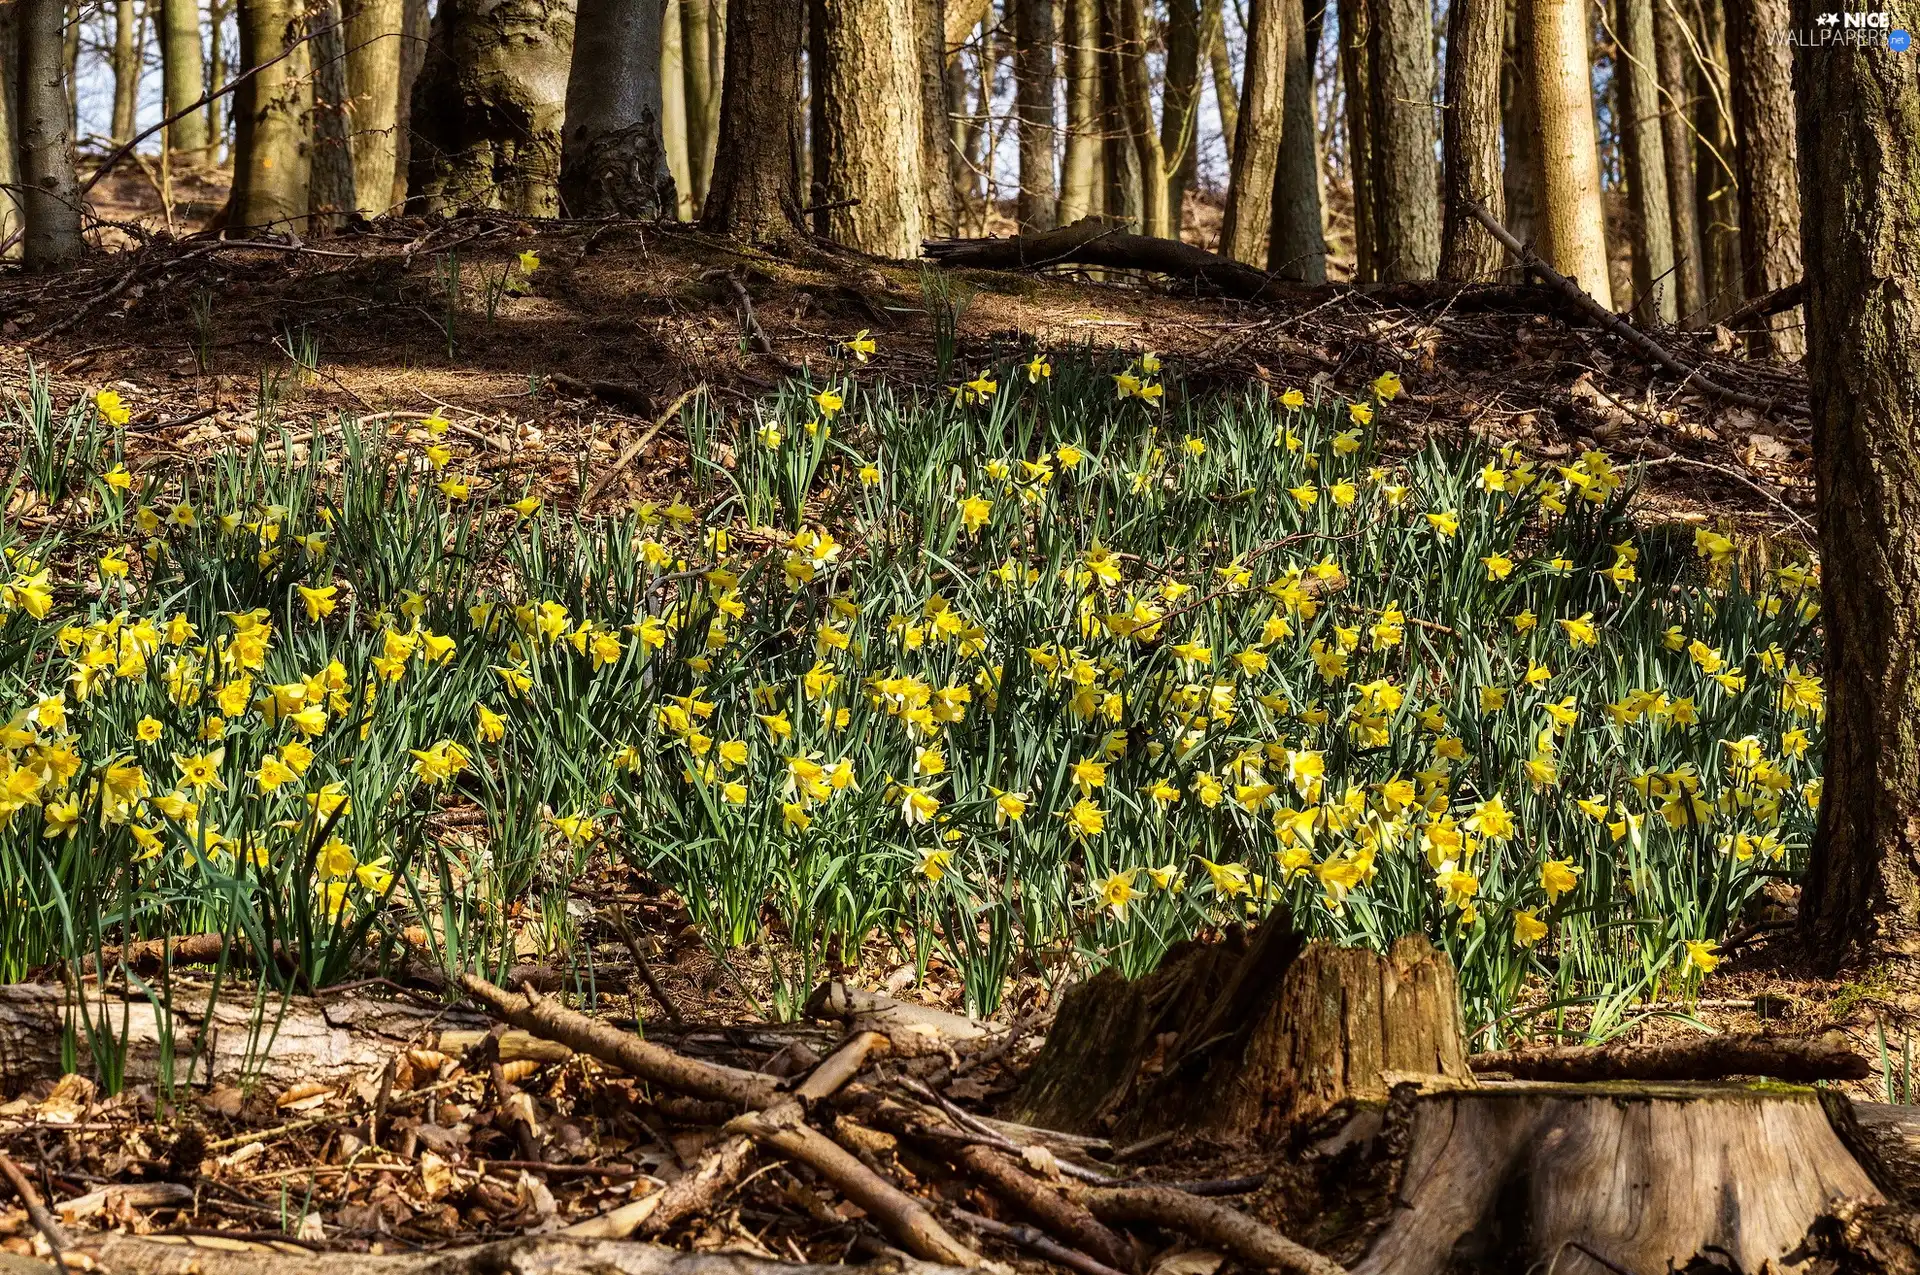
(1356, 34)
(1033, 105)
(1644, 154)
(1080, 167)
(1406, 187)
(219, 63)
(1470, 137)
(755, 194)
(181, 74)
(1572, 230)
(1860, 168)
(330, 190)
(10, 193)
(50, 196)
(613, 159)
(696, 52)
(416, 28)
(870, 116)
(1716, 189)
(1762, 74)
(938, 168)
(1213, 23)
(1676, 103)
(1273, 35)
(127, 57)
(1297, 240)
(673, 109)
(375, 48)
(1519, 184)
(488, 106)
(1180, 108)
(1136, 107)
(1119, 162)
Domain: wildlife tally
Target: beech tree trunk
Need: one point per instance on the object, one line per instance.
(417, 27)
(1220, 65)
(50, 196)
(1572, 233)
(330, 190)
(1272, 26)
(270, 161)
(488, 106)
(375, 39)
(673, 109)
(1520, 182)
(1033, 105)
(182, 77)
(938, 166)
(1136, 107)
(219, 64)
(1297, 240)
(755, 193)
(696, 53)
(870, 117)
(1119, 162)
(1860, 168)
(1470, 145)
(1406, 185)
(1356, 34)
(1762, 73)
(1654, 293)
(10, 192)
(613, 158)
(1716, 189)
(127, 56)
(1080, 166)
(1676, 99)
(1180, 108)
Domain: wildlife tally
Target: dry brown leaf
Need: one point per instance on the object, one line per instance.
(304, 1096)
(436, 1178)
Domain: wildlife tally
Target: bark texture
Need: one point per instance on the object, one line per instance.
(870, 116)
(416, 26)
(487, 107)
(1716, 190)
(1180, 108)
(1033, 104)
(1272, 25)
(613, 157)
(1297, 242)
(1136, 107)
(50, 196)
(330, 190)
(755, 193)
(1406, 185)
(1859, 122)
(1762, 72)
(183, 81)
(1572, 230)
(1356, 33)
(697, 37)
(673, 108)
(1080, 164)
(1677, 150)
(1220, 66)
(375, 44)
(10, 193)
(1470, 145)
(1519, 184)
(938, 161)
(1655, 298)
(128, 51)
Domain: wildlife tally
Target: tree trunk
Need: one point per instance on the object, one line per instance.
(50, 194)
(937, 168)
(1356, 28)
(1406, 187)
(1119, 162)
(1180, 108)
(1470, 143)
(696, 52)
(1572, 229)
(870, 115)
(181, 74)
(755, 193)
(1520, 182)
(1136, 107)
(1033, 104)
(1716, 190)
(1213, 31)
(128, 54)
(10, 192)
(673, 109)
(1297, 241)
(1677, 136)
(1762, 73)
(219, 110)
(1860, 168)
(1080, 168)
(613, 159)
(488, 106)
(375, 36)
(270, 161)
(330, 191)
(1273, 35)
(1644, 153)
(417, 27)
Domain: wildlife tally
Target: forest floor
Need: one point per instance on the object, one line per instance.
(201, 337)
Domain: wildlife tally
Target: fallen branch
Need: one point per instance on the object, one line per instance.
(1608, 319)
(1062, 1216)
(614, 919)
(749, 323)
(1827, 1057)
(36, 1208)
(1768, 304)
(1212, 1224)
(1038, 1242)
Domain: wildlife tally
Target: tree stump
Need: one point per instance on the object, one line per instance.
(1250, 1038)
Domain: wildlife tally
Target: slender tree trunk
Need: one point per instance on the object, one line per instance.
(1136, 109)
(1476, 36)
(416, 27)
(870, 95)
(673, 109)
(1859, 156)
(1297, 239)
(1273, 34)
(756, 180)
(1213, 30)
(1079, 170)
(270, 162)
(126, 69)
(1356, 33)
(375, 47)
(50, 194)
(1120, 163)
(219, 110)
(1677, 149)
(330, 191)
(1406, 184)
(1762, 73)
(1636, 72)
(1573, 230)
(1716, 188)
(1180, 108)
(10, 192)
(696, 51)
(488, 105)
(181, 77)
(613, 159)
(937, 170)
(1518, 127)
(1033, 104)
(70, 54)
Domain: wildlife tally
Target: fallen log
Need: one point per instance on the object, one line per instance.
(1212, 1224)
(912, 1029)
(1796, 1058)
